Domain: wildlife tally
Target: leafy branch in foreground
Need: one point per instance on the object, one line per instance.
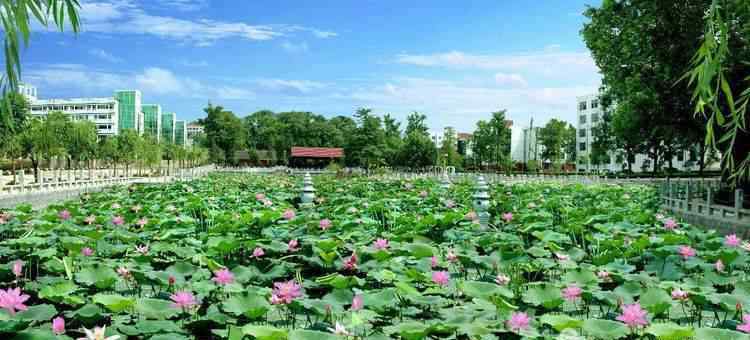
(713, 95)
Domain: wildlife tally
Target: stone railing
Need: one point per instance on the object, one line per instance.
(696, 202)
(91, 181)
(276, 169)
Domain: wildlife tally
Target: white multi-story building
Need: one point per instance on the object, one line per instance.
(525, 146)
(193, 130)
(103, 112)
(590, 114)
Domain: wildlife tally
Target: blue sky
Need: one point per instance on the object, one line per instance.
(455, 61)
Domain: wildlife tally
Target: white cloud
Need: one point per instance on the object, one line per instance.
(104, 55)
(511, 80)
(294, 48)
(547, 63)
(184, 5)
(125, 17)
(290, 87)
(77, 78)
(460, 104)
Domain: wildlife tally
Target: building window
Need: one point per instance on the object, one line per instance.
(594, 103)
(582, 146)
(582, 106)
(582, 119)
(582, 133)
(594, 117)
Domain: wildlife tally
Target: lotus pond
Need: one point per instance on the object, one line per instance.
(237, 257)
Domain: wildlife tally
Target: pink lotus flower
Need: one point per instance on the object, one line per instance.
(351, 262)
(89, 219)
(171, 280)
(670, 224)
(381, 244)
(143, 250)
(423, 194)
(116, 206)
(562, 257)
(518, 321)
(118, 220)
(288, 214)
(470, 216)
(502, 279)
(340, 330)
(64, 215)
(450, 204)
(434, 261)
(124, 272)
(719, 265)
(572, 293)
(441, 278)
(142, 222)
(352, 210)
(223, 276)
(603, 275)
(267, 203)
(732, 241)
(18, 268)
(12, 300)
(58, 325)
(285, 292)
(507, 217)
(686, 252)
(659, 216)
(87, 251)
(258, 252)
(633, 315)
(292, 246)
(451, 256)
(325, 224)
(136, 208)
(98, 333)
(745, 326)
(679, 294)
(260, 196)
(357, 302)
(183, 300)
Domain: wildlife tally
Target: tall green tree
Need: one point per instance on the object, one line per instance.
(448, 153)
(555, 136)
(224, 132)
(128, 142)
(14, 110)
(639, 46)
(81, 141)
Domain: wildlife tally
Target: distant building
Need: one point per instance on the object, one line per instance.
(112, 115)
(464, 144)
(103, 112)
(194, 129)
(590, 115)
(525, 144)
(168, 122)
(180, 132)
(152, 120)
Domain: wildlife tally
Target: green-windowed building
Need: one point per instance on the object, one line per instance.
(152, 120)
(180, 132)
(168, 120)
(130, 115)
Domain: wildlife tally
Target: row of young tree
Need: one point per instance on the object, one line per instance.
(645, 51)
(74, 144)
(368, 140)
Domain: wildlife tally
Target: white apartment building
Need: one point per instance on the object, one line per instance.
(525, 145)
(103, 112)
(193, 129)
(589, 116)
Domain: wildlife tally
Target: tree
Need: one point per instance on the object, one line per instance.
(224, 131)
(127, 148)
(639, 46)
(109, 151)
(491, 140)
(366, 144)
(448, 153)
(415, 122)
(13, 114)
(81, 142)
(418, 150)
(554, 137)
(719, 71)
(17, 25)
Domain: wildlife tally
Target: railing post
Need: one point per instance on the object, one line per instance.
(19, 175)
(709, 201)
(739, 197)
